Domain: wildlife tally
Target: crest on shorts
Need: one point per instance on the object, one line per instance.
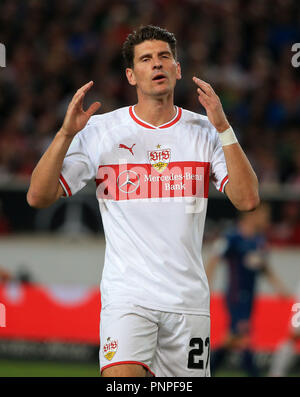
(110, 348)
(159, 158)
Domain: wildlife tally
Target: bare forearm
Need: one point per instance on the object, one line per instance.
(276, 283)
(44, 185)
(242, 186)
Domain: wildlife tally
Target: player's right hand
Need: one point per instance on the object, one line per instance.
(76, 118)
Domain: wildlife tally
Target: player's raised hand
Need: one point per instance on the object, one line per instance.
(212, 104)
(76, 118)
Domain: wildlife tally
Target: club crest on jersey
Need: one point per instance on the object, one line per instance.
(160, 158)
(110, 348)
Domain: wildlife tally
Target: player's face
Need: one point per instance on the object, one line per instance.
(155, 70)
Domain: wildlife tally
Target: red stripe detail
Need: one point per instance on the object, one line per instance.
(174, 121)
(222, 183)
(139, 121)
(66, 185)
(108, 175)
(177, 118)
(127, 362)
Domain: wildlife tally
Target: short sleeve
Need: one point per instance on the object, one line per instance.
(218, 169)
(77, 167)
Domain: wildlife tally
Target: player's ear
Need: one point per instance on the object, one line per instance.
(178, 72)
(130, 76)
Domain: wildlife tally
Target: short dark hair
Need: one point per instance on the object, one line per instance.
(142, 34)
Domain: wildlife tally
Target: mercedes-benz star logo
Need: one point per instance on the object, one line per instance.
(128, 181)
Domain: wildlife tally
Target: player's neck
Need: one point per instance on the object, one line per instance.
(155, 112)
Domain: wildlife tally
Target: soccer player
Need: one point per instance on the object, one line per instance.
(286, 352)
(244, 251)
(152, 162)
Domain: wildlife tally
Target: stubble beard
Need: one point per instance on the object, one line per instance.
(159, 93)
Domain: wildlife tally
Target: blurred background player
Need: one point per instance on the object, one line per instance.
(244, 250)
(286, 352)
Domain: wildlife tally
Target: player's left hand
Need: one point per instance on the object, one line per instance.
(212, 104)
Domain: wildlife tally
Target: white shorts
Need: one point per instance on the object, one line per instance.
(166, 344)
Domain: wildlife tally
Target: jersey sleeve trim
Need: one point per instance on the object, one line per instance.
(223, 184)
(66, 187)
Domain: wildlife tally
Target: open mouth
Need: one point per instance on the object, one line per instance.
(159, 77)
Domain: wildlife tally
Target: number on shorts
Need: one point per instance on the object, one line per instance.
(207, 344)
(198, 343)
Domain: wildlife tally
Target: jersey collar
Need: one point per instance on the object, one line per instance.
(139, 121)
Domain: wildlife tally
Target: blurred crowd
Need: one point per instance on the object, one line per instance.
(242, 48)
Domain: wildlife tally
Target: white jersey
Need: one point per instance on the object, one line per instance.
(152, 187)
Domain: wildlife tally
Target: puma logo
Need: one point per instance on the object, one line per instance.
(122, 146)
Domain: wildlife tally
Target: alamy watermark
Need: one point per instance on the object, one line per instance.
(296, 316)
(2, 55)
(181, 182)
(296, 57)
(2, 315)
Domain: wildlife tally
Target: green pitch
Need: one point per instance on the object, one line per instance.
(46, 369)
(18, 368)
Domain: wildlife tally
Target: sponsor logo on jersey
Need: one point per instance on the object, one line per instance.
(110, 348)
(142, 181)
(128, 181)
(122, 146)
(160, 158)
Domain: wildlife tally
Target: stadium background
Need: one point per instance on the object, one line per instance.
(51, 260)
